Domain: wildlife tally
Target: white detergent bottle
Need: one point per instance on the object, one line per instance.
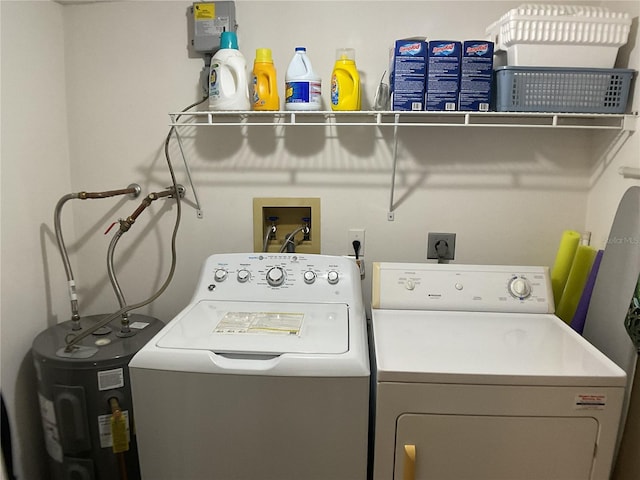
(303, 85)
(228, 82)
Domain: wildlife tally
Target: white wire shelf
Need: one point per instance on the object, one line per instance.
(624, 124)
(407, 119)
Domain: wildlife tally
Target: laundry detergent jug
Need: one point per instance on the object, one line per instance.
(345, 81)
(303, 85)
(228, 83)
(264, 84)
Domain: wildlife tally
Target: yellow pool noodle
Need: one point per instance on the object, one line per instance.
(582, 263)
(562, 265)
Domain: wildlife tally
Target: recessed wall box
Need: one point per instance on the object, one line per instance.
(287, 215)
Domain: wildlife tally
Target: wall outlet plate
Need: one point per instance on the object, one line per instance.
(352, 235)
(441, 246)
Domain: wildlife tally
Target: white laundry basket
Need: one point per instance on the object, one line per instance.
(560, 35)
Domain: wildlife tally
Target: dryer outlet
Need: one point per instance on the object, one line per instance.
(441, 246)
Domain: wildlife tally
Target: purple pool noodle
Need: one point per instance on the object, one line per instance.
(577, 323)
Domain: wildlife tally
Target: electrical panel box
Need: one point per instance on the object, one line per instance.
(210, 19)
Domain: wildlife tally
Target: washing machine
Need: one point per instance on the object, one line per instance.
(264, 375)
(475, 378)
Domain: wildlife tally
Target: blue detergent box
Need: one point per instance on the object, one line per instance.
(476, 75)
(443, 75)
(409, 74)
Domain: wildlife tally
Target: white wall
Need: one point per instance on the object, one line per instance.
(607, 185)
(499, 190)
(35, 172)
(507, 193)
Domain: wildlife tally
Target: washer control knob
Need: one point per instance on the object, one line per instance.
(220, 275)
(309, 277)
(275, 276)
(333, 277)
(520, 287)
(409, 284)
(243, 275)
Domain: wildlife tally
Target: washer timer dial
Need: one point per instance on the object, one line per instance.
(275, 276)
(519, 287)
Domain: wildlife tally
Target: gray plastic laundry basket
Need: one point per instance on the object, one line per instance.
(562, 90)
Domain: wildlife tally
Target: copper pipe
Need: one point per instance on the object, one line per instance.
(133, 189)
(125, 224)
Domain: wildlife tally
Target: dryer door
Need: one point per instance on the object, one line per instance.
(454, 447)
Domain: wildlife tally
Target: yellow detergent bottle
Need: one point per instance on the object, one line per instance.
(345, 81)
(265, 85)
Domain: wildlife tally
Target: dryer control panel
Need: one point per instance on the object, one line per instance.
(278, 277)
(477, 288)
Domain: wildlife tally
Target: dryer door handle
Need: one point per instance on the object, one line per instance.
(409, 470)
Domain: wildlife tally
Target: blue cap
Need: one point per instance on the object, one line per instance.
(229, 40)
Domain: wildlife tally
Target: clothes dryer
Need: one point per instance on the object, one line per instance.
(264, 375)
(477, 379)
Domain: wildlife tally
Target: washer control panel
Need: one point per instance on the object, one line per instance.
(253, 276)
(491, 288)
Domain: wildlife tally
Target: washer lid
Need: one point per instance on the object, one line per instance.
(260, 328)
(487, 349)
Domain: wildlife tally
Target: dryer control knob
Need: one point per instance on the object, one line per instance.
(333, 277)
(220, 275)
(520, 287)
(243, 275)
(409, 284)
(275, 276)
(309, 277)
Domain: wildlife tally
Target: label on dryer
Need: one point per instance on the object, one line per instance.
(588, 401)
(278, 323)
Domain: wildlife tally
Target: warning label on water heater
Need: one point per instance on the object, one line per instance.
(50, 426)
(104, 427)
(590, 401)
(109, 379)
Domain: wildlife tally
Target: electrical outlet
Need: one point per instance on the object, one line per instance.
(441, 246)
(355, 234)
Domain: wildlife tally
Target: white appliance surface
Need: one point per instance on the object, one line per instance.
(274, 328)
(265, 374)
(487, 348)
(471, 359)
